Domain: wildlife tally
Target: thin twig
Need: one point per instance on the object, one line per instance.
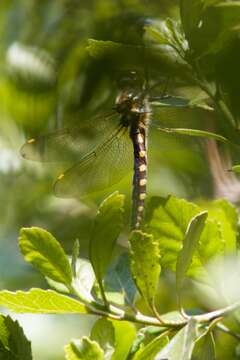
(114, 312)
(226, 330)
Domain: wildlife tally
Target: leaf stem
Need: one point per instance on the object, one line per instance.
(154, 309)
(217, 313)
(220, 104)
(103, 295)
(114, 312)
(226, 330)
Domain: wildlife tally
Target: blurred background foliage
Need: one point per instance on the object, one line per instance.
(52, 76)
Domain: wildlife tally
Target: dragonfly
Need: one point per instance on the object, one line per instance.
(122, 140)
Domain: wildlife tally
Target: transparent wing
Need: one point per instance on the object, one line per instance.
(70, 144)
(181, 117)
(106, 165)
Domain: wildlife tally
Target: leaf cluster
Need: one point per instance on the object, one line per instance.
(177, 235)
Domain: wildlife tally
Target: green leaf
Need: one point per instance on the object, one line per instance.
(181, 103)
(172, 316)
(211, 2)
(59, 287)
(41, 249)
(172, 102)
(167, 220)
(114, 297)
(83, 349)
(212, 36)
(114, 337)
(103, 333)
(119, 279)
(181, 345)
(3, 332)
(40, 301)
(13, 343)
(30, 68)
(230, 211)
(236, 169)
(125, 333)
(190, 242)
(145, 264)
(143, 337)
(162, 32)
(194, 132)
(75, 255)
(99, 48)
(151, 350)
(224, 274)
(115, 53)
(226, 215)
(158, 33)
(191, 11)
(169, 33)
(84, 279)
(107, 227)
(205, 348)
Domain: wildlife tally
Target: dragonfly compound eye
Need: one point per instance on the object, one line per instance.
(124, 106)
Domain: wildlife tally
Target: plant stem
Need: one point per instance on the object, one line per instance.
(103, 295)
(205, 86)
(154, 309)
(216, 314)
(114, 312)
(222, 107)
(226, 330)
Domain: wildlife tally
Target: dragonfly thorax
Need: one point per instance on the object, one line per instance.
(134, 109)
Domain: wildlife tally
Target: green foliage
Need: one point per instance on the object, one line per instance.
(236, 169)
(125, 333)
(191, 239)
(31, 69)
(211, 36)
(178, 231)
(13, 343)
(83, 349)
(61, 77)
(109, 340)
(40, 301)
(151, 350)
(145, 264)
(168, 219)
(226, 215)
(84, 279)
(167, 33)
(194, 132)
(103, 333)
(114, 338)
(181, 345)
(119, 278)
(41, 249)
(106, 229)
(205, 348)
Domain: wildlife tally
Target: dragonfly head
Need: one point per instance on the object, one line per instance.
(124, 102)
(128, 104)
(131, 102)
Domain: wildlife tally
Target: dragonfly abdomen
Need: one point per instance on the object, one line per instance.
(138, 137)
